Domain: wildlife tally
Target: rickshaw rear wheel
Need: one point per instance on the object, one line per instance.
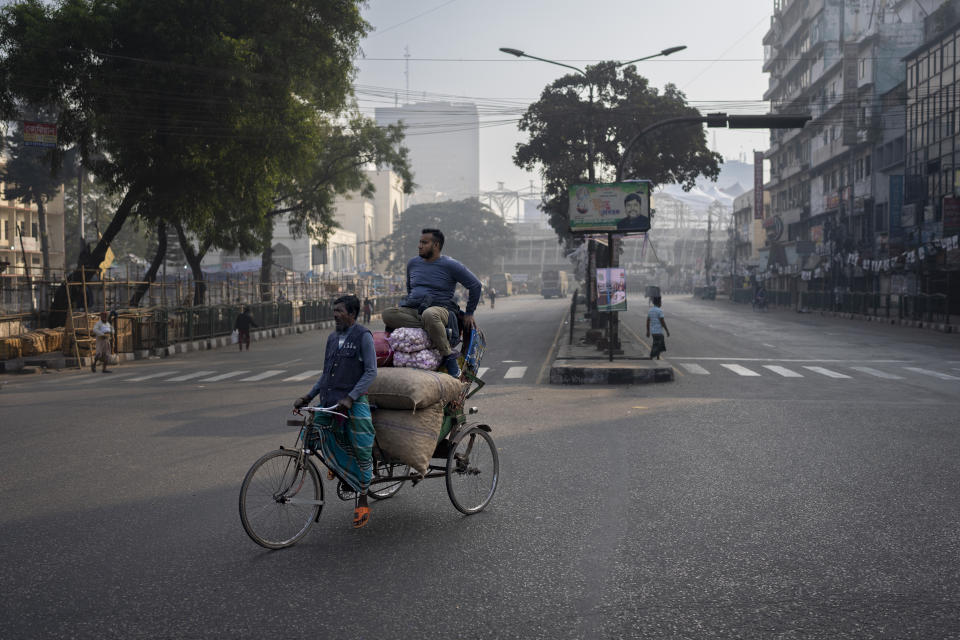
(473, 470)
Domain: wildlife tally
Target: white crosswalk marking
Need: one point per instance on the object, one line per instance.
(740, 370)
(189, 376)
(482, 371)
(783, 371)
(152, 375)
(514, 372)
(826, 372)
(695, 368)
(877, 373)
(224, 376)
(303, 376)
(262, 376)
(112, 378)
(935, 374)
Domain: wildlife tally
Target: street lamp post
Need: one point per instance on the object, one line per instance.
(591, 157)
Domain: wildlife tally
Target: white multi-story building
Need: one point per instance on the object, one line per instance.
(834, 60)
(444, 143)
(351, 248)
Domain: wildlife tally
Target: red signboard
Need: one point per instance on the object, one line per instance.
(40, 134)
(951, 215)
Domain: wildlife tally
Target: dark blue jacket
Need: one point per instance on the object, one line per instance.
(342, 367)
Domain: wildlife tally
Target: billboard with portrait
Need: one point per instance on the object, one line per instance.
(623, 207)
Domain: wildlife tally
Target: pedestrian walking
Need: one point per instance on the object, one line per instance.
(242, 326)
(104, 347)
(492, 294)
(656, 326)
(367, 310)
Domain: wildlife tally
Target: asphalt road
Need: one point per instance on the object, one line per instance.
(725, 504)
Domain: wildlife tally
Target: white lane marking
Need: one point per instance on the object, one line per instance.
(768, 345)
(509, 361)
(481, 371)
(262, 376)
(935, 374)
(877, 373)
(189, 376)
(695, 368)
(224, 376)
(784, 360)
(112, 378)
(783, 371)
(152, 375)
(303, 376)
(827, 372)
(739, 370)
(514, 372)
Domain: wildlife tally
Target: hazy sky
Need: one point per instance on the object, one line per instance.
(454, 55)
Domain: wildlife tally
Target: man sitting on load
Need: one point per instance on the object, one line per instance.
(431, 282)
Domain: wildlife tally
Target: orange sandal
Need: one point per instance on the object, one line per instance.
(330, 475)
(361, 516)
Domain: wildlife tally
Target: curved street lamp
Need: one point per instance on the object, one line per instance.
(616, 65)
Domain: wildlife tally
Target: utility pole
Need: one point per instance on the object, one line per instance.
(406, 72)
(707, 263)
(80, 200)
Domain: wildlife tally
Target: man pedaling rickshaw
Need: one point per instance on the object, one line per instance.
(431, 283)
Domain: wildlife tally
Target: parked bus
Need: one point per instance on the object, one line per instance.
(554, 283)
(502, 283)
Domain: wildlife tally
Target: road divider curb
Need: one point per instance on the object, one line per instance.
(567, 372)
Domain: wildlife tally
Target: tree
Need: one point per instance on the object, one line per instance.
(190, 112)
(566, 130)
(474, 234)
(344, 150)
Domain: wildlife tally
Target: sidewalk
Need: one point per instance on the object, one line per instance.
(59, 361)
(580, 362)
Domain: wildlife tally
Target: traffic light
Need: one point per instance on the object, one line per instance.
(716, 119)
(767, 121)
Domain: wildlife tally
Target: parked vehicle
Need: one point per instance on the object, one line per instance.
(502, 283)
(554, 282)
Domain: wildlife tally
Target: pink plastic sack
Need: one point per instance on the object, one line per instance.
(384, 350)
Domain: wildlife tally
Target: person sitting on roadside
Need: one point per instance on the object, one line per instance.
(431, 281)
(761, 297)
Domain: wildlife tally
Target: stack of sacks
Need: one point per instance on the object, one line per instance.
(409, 415)
(412, 348)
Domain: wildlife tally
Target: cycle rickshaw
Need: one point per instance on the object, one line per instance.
(282, 494)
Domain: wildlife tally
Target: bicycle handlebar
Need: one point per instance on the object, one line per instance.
(329, 410)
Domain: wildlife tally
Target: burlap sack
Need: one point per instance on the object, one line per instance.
(409, 437)
(9, 348)
(404, 388)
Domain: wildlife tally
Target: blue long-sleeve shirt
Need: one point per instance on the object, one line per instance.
(368, 355)
(438, 280)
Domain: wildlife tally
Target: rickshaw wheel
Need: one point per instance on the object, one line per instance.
(387, 470)
(473, 470)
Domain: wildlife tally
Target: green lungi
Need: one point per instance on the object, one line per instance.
(347, 445)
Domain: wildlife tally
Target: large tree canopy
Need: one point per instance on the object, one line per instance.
(196, 112)
(565, 129)
(474, 235)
